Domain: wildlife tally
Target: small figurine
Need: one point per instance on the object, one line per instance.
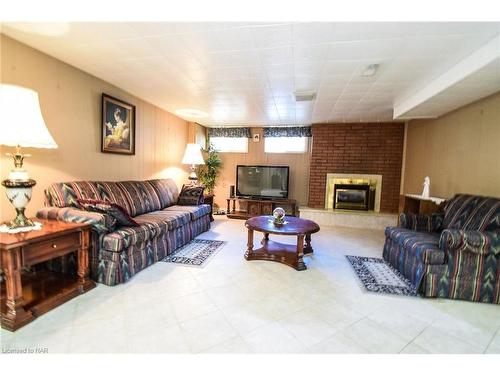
(427, 184)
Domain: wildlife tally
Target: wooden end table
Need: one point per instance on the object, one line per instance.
(25, 296)
(291, 255)
(209, 199)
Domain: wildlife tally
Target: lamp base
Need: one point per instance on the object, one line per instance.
(19, 194)
(193, 177)
(21, 221)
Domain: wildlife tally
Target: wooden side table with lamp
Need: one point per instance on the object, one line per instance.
(25, 295)
(26, 289)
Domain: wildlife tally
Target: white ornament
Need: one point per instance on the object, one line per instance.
(427, 184)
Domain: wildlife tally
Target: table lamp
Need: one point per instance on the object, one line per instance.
(193, 156)
(21, 125)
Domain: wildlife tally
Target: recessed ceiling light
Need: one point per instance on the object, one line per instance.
(370, 70)
(191, 112)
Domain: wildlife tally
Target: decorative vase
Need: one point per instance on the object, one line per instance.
(279, 216)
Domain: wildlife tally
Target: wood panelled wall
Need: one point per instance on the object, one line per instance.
(459, 151)
(70, 100)
(298, 163)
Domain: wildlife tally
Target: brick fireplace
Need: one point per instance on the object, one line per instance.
(364, 148)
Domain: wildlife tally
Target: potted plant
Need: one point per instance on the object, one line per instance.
(208, 172)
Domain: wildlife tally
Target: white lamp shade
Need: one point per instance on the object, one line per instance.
(193, 155)
(21, 121)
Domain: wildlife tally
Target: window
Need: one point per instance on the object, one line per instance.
(227, 144)
(281, 145)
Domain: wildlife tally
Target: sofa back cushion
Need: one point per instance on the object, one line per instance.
(472, 212)
(167, 191)
(110, 191)
(66, 194)
(141, 196)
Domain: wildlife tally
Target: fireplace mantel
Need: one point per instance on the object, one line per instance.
(330, 182)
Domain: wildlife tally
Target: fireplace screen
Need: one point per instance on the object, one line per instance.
(351, 196)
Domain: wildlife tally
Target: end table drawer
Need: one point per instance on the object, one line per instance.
(48, 249)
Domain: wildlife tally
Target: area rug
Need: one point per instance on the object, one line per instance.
(196, 253)
(380, 277)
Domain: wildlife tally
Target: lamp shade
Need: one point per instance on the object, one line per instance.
(193, 155)
(21, 121)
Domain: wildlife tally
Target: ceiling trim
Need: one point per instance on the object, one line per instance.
(475, 61)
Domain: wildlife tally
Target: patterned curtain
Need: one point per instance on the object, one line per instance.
(295, 131)
(229, 132)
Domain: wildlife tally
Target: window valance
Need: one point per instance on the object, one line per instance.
(229, 132)
(282, 131)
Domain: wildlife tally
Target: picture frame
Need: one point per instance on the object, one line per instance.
(118, 126)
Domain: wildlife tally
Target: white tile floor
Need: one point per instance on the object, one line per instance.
(233, 305)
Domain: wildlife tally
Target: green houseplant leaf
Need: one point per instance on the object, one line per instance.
(209, 172)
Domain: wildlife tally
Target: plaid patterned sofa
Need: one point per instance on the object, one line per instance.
(118, 253)
(453, 254)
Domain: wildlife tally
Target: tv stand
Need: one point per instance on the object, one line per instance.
(250, 207)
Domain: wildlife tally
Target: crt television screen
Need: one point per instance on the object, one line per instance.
(262, 181)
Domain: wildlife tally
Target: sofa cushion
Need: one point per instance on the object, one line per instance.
(195, 211)
(472, 212)
(191, 195)
(65, 194)
(151, 225)
(422, 245)
(112, 209)
(141, 197)
(111, 192)
(167, 191)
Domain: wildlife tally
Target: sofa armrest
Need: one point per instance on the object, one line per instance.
(422, 223)
(100, 222)
(480, 243)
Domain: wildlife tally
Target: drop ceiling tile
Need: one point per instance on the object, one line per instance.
(279, 71)
(229, 59)
(308, 68)
(276, 56)
(336, 68)
(307, 33)
(272, 36)
(235, 39)
(310, 52)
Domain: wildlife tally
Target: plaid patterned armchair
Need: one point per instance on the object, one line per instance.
(117, 252)
(453, 254)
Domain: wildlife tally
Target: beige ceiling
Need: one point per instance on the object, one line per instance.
(246, 73)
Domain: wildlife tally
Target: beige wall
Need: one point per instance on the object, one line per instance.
(298, 163)
(71, 105)
(459, 151)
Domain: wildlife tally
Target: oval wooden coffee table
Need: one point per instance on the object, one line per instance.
(291, 255)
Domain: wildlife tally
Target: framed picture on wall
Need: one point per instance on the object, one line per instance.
(118, 126)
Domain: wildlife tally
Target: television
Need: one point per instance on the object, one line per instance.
(259, 181)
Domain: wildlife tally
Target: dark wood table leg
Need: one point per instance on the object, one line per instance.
(308, 248)
(83, 263)
(265, 239)
(14, 316)
(249, 244)
(300, 253)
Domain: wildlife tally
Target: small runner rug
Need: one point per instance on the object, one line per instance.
(195, 253)
(380, 277)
